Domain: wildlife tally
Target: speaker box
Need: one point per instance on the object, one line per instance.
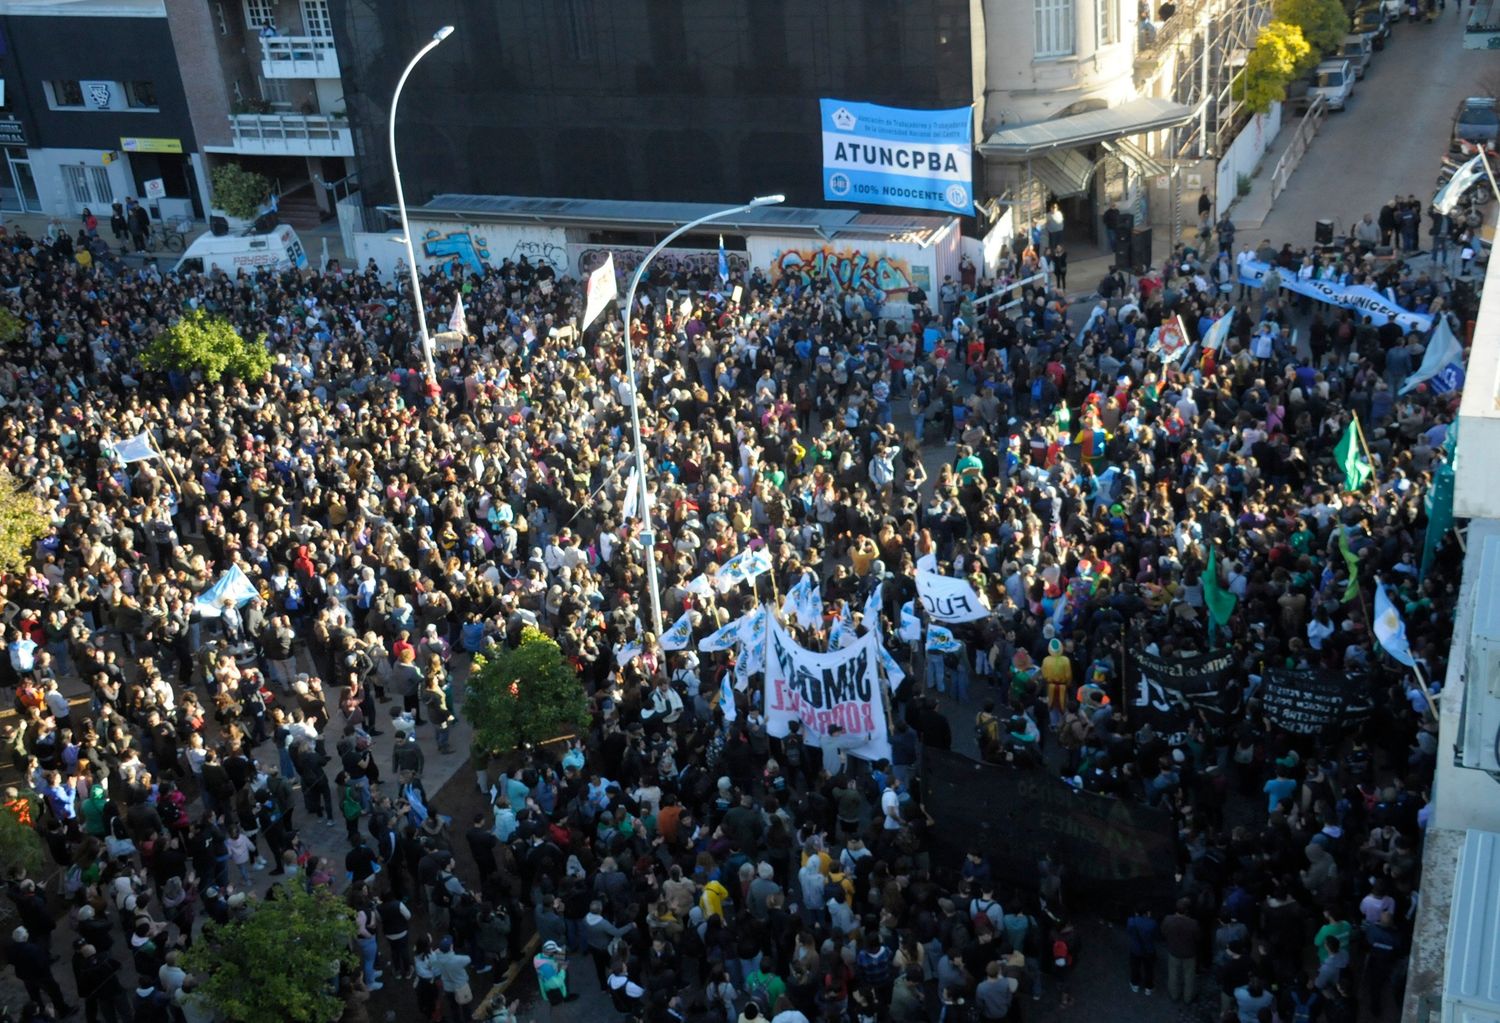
(218, 225)
(1124, 228)
(1323, 232)
(266, 223)
(1140, 247)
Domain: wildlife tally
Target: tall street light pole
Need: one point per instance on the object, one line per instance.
(649, 537)
(411, 255)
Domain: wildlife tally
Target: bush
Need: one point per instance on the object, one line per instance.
(239, 192)
(1279, 51)
(1323, 23)
(209, 345)
(278, 964)
(22, 523)
(1242, 185)
(526, 695)
(21, 848)
(12, 327)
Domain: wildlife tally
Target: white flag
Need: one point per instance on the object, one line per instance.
(1390, 629)
(685, 308)
(872, 608)
(948, 599)
(135, 449)
(680, 634)
(1442, 351)
(910, 629)
(1463, 179)
(627, 652)
(457, 321)
(602, 290)
(637, 504)
(894, 676)
(726, 699)
(722, 638)
(840, 635)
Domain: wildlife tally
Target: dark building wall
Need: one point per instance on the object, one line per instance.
(40, 49)
(678, 100)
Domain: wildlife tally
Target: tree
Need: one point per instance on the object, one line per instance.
(21, 848)
(12, 327)
(1323, 23)
(210, 345)
(279, 963)
(525, 695)
(239, 192)
(22, 523)
(1273, 62)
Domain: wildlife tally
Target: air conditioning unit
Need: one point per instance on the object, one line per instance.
(1479, 733)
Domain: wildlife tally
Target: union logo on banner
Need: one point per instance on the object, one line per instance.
(1170, 341)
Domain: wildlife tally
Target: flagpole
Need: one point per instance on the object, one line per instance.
(1359, 432)
(165, 464)
(1426, 693)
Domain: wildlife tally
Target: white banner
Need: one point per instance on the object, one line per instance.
(949, 600)
(1381, 309)
(823, 690)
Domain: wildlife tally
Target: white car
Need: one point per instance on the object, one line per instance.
(1334, 81)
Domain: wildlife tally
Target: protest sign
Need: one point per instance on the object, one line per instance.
(1306, 701)
(825, 689)
(1169, 693)
(949, 600)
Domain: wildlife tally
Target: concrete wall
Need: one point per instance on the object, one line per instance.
(1243, 156)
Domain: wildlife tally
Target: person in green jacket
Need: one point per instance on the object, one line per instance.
(94, 807)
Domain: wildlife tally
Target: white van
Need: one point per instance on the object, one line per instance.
(1358, 50)
(1334, 81)
(277, 249)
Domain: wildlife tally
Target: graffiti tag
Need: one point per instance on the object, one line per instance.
(695, 262)
(537, 253)
(848, 268)
(460, 247)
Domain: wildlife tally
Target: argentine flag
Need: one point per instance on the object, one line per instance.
(940, 640)
(680, 634)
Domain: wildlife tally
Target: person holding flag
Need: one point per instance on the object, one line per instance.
(1351, 459)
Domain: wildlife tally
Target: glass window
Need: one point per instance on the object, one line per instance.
(67, 93)
(1107, 21)
(140, 95)
(260, 13)
(1054, 27)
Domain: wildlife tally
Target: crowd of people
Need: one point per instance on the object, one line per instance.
(698, 868)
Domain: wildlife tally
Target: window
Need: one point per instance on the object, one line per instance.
(223, 21)
(260, 13)
(66, 93)
(316, 19)
(1054, 27)
(140, 95)
(1107, 22)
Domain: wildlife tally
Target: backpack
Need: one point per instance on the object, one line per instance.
(979, 917)
(350, 804)
(757, 989)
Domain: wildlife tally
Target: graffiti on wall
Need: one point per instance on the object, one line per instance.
(538, 252)
(680, 261)
(445, 248)
(849, 268)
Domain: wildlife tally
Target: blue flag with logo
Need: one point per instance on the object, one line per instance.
(723, 261)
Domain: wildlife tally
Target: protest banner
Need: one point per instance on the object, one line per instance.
(1307, 701)
(1169, 693)
(825, 689)
(1115, 850)
(1380, 308)
(949, 600)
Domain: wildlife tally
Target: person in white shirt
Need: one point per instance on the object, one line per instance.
(890, 805)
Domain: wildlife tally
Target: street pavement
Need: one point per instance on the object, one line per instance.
(1391, 138)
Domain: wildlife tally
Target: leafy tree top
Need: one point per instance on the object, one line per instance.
(239, 192)
(1279, 51)
(22, 523)
(524, 695)
(209, 345)
(1323, 23)
(278, 964)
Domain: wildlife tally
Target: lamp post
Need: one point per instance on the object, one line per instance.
(635, 411)
(411, 255)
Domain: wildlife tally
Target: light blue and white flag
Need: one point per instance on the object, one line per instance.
(910, 629)
(1390, 629)
(726, 699)
(700, 586)
(894, 676)
(680, 634)
(232, 586)
(1218, 333)
(722, 638)
(752, 658)
(940, 639)
(804, 602)
(627, 652)
(752, 628)
(873, 603)
(758, 563)
(1443, 358)
(1463, 179)
(732, 572)
(135, 449)
(1094, 315)
(841, 635)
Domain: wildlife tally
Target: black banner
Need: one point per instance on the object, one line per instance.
(1114, 851)
(1169, 693)
(1305, 701)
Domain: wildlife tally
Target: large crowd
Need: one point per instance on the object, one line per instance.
(695, 867)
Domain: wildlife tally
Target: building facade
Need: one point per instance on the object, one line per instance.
(94, 110)
(671, 100)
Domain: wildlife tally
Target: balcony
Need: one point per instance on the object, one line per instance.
(284, 134)
(298, 57)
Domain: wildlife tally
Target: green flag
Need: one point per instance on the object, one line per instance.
(1350, 460)
(1219, 600)
(1439, 515)
(1352, 561)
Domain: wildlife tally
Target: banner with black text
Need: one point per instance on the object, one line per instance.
(1308, 701)
(822, 690)
(1170, 693)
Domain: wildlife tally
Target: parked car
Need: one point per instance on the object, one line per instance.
(1358, 50)
(1334, 81)
(1371, 21)
(1476, 122)
(1391, 9)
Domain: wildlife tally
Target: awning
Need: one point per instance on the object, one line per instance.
(1133, 118)
(1136, 158)
(1065, 172)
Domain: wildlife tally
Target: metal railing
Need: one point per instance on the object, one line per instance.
(1317, 113)
(292, 134)
(341, 189)
(299, 57)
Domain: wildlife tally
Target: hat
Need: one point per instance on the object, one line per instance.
(552, 947)
(1055, 647)
(823, 350)
(446, 944)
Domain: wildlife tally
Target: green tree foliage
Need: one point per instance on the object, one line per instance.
(1323, 23)
(210, 345)
(278, 964)
(526, 695)
(12, 327)
(239, 192)
(21, 848)
(22, 523)
(1279, 51)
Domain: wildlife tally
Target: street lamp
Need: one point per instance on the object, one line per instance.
(411, 255)
(649, 537)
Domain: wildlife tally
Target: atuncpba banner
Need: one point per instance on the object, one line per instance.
(888, 156)
(823, 690)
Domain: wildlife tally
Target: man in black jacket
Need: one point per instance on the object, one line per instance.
(99, 985)
(33, 966)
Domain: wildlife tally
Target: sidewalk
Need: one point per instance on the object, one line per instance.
(1249, 212)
